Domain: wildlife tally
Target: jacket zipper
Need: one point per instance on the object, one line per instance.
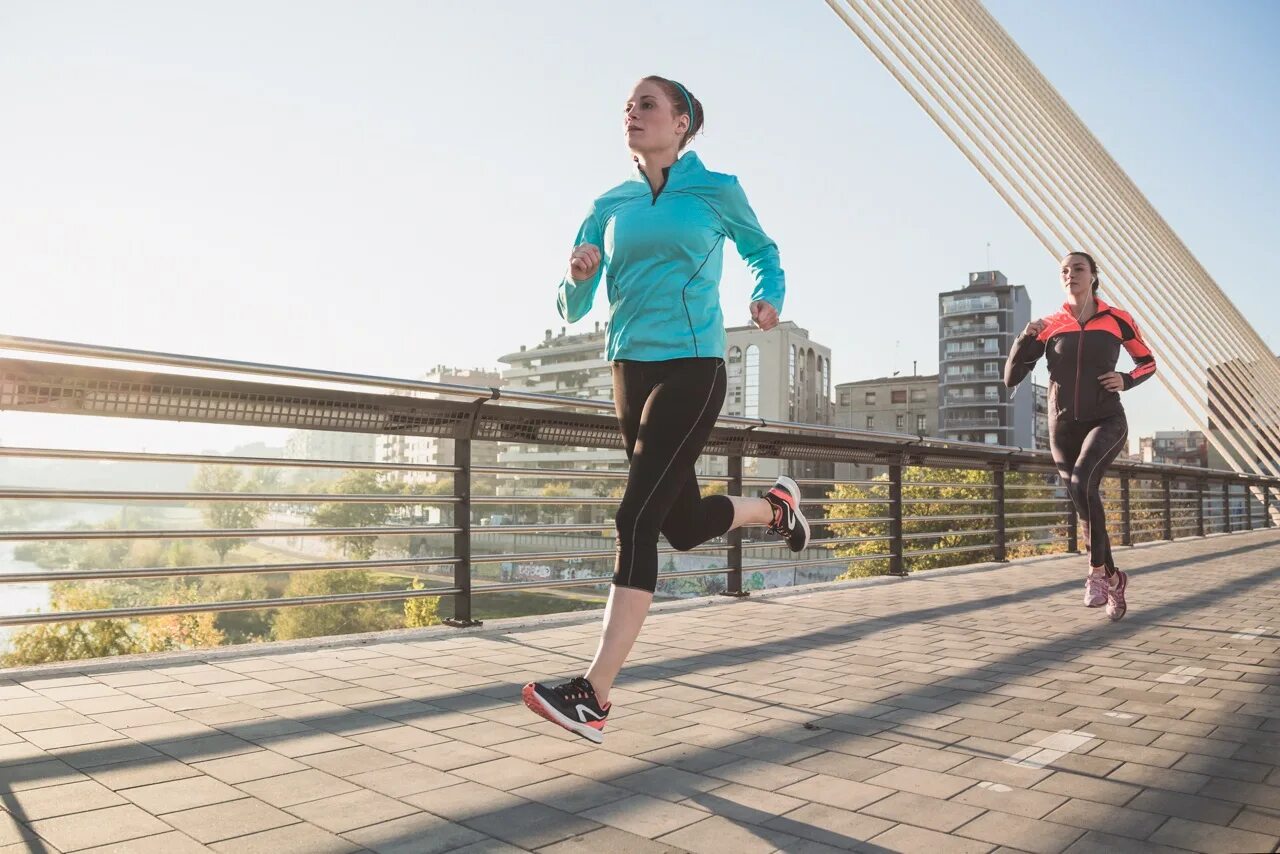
(654, 195)
(1079, 364)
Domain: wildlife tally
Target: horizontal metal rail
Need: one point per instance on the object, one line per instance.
(1177, 498)
(221, 533)
(218, 569)
(230, 497)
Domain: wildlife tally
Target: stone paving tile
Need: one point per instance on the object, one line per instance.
(534, 825)
(97, 828)
(828, 825)
(217, 822)
(351, 811)
(716, 834)
(644, 816)
(1195, 836)
(172, 842)
(300, 787)
(53, 801)
(293, 839)
(175, 795)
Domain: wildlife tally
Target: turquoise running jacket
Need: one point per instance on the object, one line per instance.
(661, 260)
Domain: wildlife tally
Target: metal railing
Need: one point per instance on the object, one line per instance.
(965, 330)
(907, 510)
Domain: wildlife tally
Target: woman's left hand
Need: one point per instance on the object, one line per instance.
(764, 315)
(1112, 381)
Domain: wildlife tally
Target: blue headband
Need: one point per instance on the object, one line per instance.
(688, 101)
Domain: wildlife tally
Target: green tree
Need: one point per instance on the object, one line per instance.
(934, 501)
(421, 611)
(68, 641)
(227, 514)
(346, 514)
(313, 621)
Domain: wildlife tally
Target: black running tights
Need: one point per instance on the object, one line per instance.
(666, 411)
(1082, 451)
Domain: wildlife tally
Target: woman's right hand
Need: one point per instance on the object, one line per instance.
(584, 262)
(1034, 328)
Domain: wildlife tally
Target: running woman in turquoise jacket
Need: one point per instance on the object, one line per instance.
(656, 240)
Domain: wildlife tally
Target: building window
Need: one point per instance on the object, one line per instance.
(870, 398)
(901, 423)
(844, 398)
(921, 426)
(919, 395)
(991, 438)
(898, 395)
(871, 422)
(735, 354)
(752, 408)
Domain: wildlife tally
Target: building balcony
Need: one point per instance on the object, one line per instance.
(954, 421)
(968, 330)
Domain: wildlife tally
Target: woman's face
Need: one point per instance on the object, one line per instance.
(650, 120)
(1077, 280)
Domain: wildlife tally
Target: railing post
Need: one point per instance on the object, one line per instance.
(1001, 550)
(1073, 528)
(1226, 506)
(462, 539)
(1266, 506)
(1248, 508)
(1166, 483)
(733, 586)
(1126, 512)
(1199, 507)
(896, 562)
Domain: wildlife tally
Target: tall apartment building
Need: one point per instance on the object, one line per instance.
(572, 365)
(976, 329)
(429, 450)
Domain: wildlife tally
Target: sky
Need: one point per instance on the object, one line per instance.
(386, 187)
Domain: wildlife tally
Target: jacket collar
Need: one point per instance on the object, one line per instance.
(687, 164)
(1068, 311)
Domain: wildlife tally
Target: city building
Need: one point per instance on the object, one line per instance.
(571, 365)
(430, 450)
(1042, 416)
(1175, 447)
(976, 329)
(894, 404)
(779, 375)
(329, 445)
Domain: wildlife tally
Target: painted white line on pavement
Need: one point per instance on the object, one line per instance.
(995, 787)
(1251, 634)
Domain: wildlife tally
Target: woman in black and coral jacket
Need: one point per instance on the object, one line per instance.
(1087, 425)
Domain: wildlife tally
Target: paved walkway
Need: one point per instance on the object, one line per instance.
(976, 711)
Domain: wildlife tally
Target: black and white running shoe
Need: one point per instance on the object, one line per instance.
(572, 705)
(788, 520)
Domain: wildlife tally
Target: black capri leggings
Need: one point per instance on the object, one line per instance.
(1082, 451)
(666, 411)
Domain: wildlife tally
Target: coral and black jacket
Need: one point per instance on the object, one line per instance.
(1077, 354)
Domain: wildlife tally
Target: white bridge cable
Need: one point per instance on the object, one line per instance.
(1228, 361)
(1016, 124)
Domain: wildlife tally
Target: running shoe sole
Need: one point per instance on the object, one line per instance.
(535, 704)
(794, 488)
